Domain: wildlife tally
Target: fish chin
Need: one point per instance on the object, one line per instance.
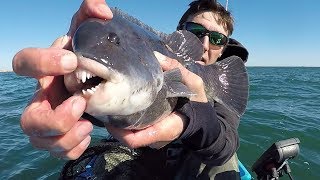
(117, 99)
(109, 99)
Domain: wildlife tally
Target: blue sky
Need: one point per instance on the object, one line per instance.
(276, 32)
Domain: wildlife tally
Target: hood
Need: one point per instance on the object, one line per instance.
(234, 47)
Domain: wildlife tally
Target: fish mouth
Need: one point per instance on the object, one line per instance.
(89, 82)
(106, 90)
(89, 77)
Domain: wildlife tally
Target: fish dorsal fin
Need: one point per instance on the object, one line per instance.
(118, 12)
(175, 87)
(229, 80)
(185, 46)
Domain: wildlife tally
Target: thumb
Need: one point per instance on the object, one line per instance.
(63, 42)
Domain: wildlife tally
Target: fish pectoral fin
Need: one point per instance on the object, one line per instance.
(174, 85)
(231, 83)
(184, 46)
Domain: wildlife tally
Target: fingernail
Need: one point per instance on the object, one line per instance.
(85, 143)
(159, 56)
(78, 107)
(69, 62)
(84, 129)
(103, 9)
(65, 39)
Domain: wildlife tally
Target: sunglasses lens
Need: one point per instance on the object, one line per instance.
(218, 39)
(196, 29)
(215, 38)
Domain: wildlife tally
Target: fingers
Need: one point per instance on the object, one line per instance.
(169, 64)
(37, 62)
(58, 130)
(166, 130)
(134, 139)
(75, 152)
(90, 9)
(65, 142)
(70, 145)
(191, 80)
(40, 120)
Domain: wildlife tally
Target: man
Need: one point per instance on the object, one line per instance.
(206, 145)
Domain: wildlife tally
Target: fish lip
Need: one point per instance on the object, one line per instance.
(108, 74)
(95, 68)
(88, 64)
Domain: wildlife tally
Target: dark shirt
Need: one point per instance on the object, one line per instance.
(212, 130)
(211, 134)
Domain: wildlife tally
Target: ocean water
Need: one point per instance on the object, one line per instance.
(284, 103)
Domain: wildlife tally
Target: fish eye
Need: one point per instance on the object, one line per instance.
(114, 38)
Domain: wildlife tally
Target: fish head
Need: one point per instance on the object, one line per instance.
(99, 40)
(112, 74)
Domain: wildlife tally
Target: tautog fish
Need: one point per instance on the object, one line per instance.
(123, 82)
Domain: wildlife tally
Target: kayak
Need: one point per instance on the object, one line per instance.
(244, 173)
(112, 159)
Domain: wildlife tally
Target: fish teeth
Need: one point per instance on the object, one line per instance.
(82, 75)
(90, 91)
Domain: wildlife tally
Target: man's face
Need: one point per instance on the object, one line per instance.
(211, 52)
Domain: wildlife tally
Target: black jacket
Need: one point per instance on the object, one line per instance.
(211, 135)
(212, 131)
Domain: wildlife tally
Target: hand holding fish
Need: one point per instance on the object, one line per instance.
(51, 119)
(191, 80)
(170, 127)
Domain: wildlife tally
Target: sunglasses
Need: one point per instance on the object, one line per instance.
(215, 38)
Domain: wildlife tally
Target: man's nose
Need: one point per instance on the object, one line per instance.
(205, 43)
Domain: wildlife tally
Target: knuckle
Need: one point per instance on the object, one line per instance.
(198, 81)
(55, 125)
(62, 121)
(28, 118)
(61, 126)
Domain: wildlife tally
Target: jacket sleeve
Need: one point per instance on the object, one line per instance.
(211, 132)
